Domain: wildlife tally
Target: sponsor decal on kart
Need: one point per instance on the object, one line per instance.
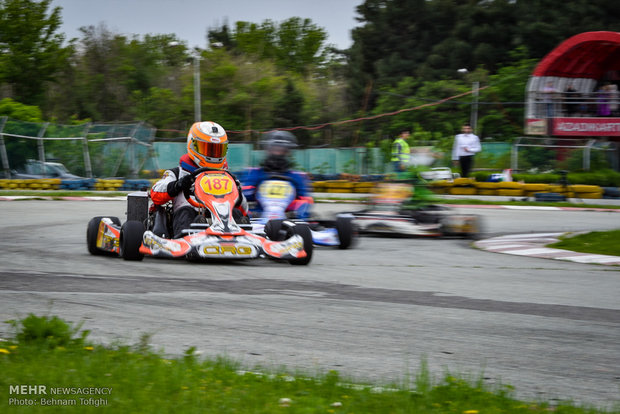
(164, 247)
(107, 236)
(225, 249)
(208, 246)
(293, 246)
(327, 237)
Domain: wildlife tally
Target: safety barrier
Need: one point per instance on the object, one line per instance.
(336, 184)
(86, 184)
(468, 186)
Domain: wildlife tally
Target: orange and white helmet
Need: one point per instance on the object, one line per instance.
(207, 144)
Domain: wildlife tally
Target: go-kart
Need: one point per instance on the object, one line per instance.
(400, 208)
(275, 195)
(214, 234)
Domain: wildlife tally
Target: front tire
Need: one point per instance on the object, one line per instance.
(272, 230)
(346, 231)
(304, 231)
(131, 240)
(91, 235)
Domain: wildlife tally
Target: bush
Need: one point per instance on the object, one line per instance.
(48, 332)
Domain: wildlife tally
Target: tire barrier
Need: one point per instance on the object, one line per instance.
(465, 186)
(86, 184)
(342, 186)
(459, 186)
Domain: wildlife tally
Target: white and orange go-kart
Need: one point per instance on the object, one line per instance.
(215, 235)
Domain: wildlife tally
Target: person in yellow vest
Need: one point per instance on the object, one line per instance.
(400, 152)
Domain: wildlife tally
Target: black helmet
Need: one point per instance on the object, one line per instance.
(278, 145)
(281, 139)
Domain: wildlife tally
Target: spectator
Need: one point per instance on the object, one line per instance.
(400, 152)
(466, 145)
(549, 97)
(571, 98)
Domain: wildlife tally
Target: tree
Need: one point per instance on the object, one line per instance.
(32, 51)
(239, 92)
(295, 45)
(19, 149)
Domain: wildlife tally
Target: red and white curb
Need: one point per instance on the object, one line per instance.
(543, 208)
(533, 245)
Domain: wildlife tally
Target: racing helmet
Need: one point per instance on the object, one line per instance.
(278, 145)
(279, 141)
(207, 144)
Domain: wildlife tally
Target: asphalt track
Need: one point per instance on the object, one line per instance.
(374, 313)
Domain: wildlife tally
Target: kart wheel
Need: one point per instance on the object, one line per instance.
(131, 239)
(272, 230)
(346, 231)
(476, 229)
(91, 235)
(304, 231)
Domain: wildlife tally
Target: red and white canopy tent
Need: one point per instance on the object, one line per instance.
(585, 61)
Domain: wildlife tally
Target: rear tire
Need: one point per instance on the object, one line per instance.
(304, 231)
(91, 235)
(476, 231)
(346, 231)
(131, 240)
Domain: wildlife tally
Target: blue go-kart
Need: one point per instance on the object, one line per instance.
(276, 211)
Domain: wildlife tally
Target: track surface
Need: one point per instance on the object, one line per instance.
(375, 312)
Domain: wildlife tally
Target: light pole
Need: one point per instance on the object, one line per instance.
(197, 109)
(475, 86)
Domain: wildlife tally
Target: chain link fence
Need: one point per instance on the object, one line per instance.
(87, 150)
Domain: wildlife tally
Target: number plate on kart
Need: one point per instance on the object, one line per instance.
(277, 189)
(217, 184)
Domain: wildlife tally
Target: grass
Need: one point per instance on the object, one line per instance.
(139, 380)
(597, 242)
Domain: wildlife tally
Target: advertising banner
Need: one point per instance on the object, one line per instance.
(586, 127)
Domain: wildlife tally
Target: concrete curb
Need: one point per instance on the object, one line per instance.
(533, 245)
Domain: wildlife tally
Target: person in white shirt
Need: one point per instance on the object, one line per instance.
(466, 145)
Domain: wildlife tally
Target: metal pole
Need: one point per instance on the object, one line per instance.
(197, 114)
(587, 152)
(474, 106)
(41, 147)
(5, 158)
(514, 158)
(86, 153)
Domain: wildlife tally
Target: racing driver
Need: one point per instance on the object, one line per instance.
(278, 145)
(207, 145)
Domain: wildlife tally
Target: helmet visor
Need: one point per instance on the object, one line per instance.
(211, 149)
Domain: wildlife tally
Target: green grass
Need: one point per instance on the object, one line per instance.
(142, 381)
(597, 242)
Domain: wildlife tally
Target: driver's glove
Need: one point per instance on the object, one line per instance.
(180, 185)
